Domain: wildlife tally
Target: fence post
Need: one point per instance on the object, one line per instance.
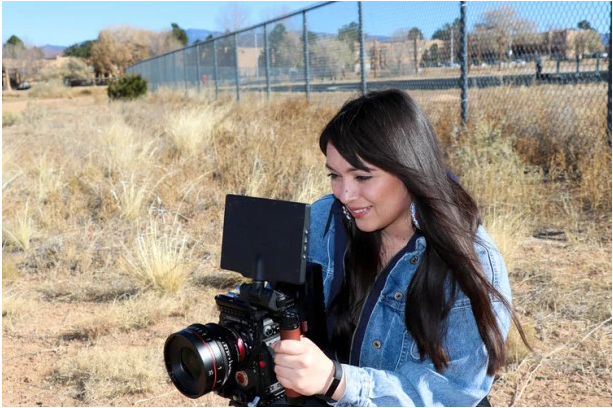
(267, 53)
(215, 71)
(198, 74)
(237, 76)
(578, 58)
(174, 71)
(609, 80)
(185, 69)
(361, 39)
(305, 34)
(464, 67)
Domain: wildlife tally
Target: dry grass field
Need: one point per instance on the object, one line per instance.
(112, 217)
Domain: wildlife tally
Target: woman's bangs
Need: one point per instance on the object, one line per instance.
(348, 145)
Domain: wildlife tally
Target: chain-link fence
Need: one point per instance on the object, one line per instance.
(453, 52)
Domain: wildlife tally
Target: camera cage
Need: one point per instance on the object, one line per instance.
(267, 240)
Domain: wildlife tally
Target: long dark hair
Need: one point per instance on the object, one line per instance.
(389, 130)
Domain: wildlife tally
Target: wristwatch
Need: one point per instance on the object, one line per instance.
(336, 379)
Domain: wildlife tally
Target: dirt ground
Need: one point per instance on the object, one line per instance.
(17, 101)
(14, 106)
(20, 105)
(554, 375)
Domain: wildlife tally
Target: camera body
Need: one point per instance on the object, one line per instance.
(265, 240)
(254, 379)
(233, 357)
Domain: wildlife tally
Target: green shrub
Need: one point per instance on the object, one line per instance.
(128, 87)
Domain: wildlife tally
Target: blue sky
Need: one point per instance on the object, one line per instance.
(68, 22)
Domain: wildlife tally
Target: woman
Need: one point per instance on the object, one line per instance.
(417, 294)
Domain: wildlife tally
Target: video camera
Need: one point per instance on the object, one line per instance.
(267, 241)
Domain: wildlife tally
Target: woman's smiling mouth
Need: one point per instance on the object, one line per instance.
(359, 212)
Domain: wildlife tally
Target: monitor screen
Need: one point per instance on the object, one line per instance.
(265, 239)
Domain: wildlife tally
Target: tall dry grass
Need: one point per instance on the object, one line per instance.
(121, 203)
(562, 131)
(159, 260)
(102, 374)
(19, 231)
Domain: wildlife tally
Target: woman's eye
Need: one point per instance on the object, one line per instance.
(362, 178)
(332, 176)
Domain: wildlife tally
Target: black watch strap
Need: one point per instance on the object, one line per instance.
(336, 379)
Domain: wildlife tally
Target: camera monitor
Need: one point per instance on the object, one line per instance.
(264, 239)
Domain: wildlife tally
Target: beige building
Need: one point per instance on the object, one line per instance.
(248, 61)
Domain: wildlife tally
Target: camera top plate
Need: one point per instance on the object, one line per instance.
(265, 239)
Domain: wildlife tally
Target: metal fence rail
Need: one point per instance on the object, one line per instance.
(458, 47)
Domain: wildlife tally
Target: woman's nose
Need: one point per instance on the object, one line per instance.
(347, 193)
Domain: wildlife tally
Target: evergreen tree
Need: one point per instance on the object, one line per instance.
(179, 34)
(82, 50)
(584, 25)
(15, 41)
(350, 33)
(415, 33)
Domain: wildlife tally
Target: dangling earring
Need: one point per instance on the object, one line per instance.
(347, 214)
(414, 216)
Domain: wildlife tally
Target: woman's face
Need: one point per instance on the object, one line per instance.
(377, 200)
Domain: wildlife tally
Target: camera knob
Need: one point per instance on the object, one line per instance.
(289, 321)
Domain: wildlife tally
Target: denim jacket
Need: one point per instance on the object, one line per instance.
(386, 369)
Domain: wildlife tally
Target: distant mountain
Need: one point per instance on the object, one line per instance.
(52, 51)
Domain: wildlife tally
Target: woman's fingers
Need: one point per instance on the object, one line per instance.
(302, 366)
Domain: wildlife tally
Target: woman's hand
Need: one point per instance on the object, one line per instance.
(302, 366)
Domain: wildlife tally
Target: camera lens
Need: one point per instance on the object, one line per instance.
(201, 358)
(189, 362)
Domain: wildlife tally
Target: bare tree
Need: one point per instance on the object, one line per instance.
(21, 61)
(110, 56)
(119, 47)
(233, 16)
(289, 53)
(73, 68)
(498, 30)
(163, 42)
(404, 50)
(587, 42)
(330, 58)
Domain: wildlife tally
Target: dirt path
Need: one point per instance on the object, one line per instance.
(14, 106)
(19, 105)
(17, 101)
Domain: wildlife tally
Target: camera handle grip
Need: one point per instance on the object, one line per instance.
(289, 328)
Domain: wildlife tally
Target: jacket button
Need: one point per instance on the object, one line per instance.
(398, 295)
(376, 344)
(414, 260)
